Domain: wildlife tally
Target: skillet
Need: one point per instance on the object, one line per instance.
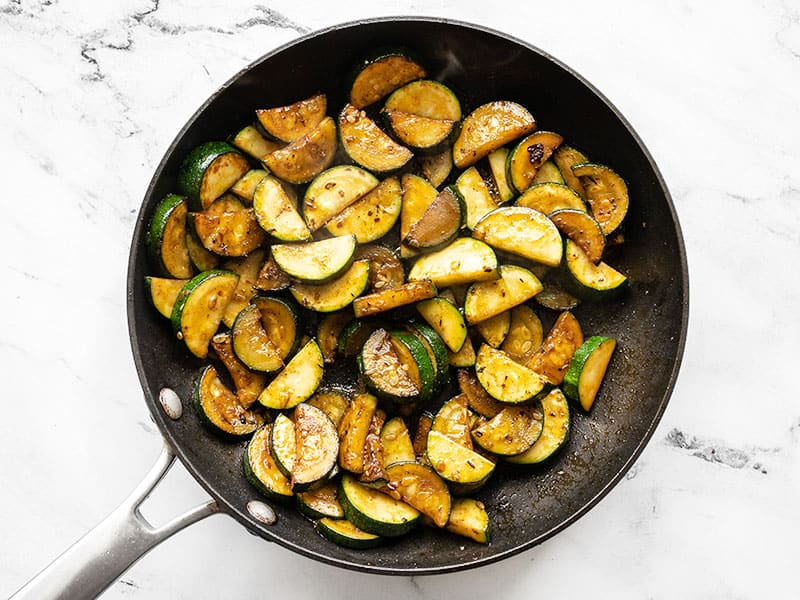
(526, 506)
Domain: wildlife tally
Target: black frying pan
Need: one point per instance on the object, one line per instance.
(526, 506)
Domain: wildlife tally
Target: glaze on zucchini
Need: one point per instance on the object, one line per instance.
(306, 157)
(219, 408)
(606, 193)
(463, 261)
(525, 333)
(288, 123)
(420, 134)
(315, 262)
(506, 380)
(163, 292)
(439, 224)
(166, 238)
(555, 431)
(382, 75)
(248, 384)
(521, 231)
(487, 299)
(228, 228)
(298, 380)
(476, 196)
(552, 358)
(276, 211)
(444, 317)
(494, 329)
(528, 156)
(550, 197)
(337, 294)
(372, 216)
(587, 369)
(383, 370)
(426, 98)
(512, 431)
(489, 127)
(419, 485)
(334, 190)
(209, 171)
(457, 463)
(587, 280)
(260, 469)
(373, 511)
(582, 229)
(353, 431)
(317, 446)
(408, 293)
(247, 269)
(366, 144)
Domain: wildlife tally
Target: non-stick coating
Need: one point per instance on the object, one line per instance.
(526, 505)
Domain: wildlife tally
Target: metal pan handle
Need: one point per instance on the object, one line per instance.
(98, 559)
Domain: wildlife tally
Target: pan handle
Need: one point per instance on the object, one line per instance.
(103, 554)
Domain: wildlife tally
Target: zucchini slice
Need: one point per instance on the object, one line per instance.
(248, 384)
(336, 294)
(289, 123)
(373, 474)
(276, 211)
(555, 431)
(354, 336)
(298, 380)
(396, 442)
(271, 278)
(202, 259)
(464, 357)
(328, 332)
(366, 144)
(477, 398)
(457, 463)
(283, 445)
(476, 196)
(446, 320)
(380, 76)
(420, 442)
(383, 371)
(464, 261)
(320, 502)
(436, 168)
(420, 134)
(548, 173)
(249, 139)
(416, 361)
(587, 280)
(426, 98)
(550, 197)
(582, 229)
(506, 380)
(315, 262)
(252, 344)
(344, 533)
(247, 269)
(373, 511)
(489, 127)
(527, 156)
(385, 269)
(209, 171)
(521, 231)
(306, 157)
(166, 238)
(387, 299)
(468, 518)
(453, 421)
(245, 188)
(418, 195)
(495, 329)
(553, 356)
(163, 293)
(486, 299)
(199, 307)
(281, 323)
(420, 486)
(587, 370)
(439, 224)
(565, 158)
(512, 431)
(228, 228)
(334, 190)
(260, 468)
(497, 164)
(436, 349)
(317, 446)
(372, 216)
(555, 297)
(525, 334)
(332, 404)
(353, 431)
(606, 193)
(220, 410)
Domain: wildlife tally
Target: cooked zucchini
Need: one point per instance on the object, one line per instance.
(328, 332)
(420, 134)
(199, 308)
(550, 197)
(457, 463)
(548, 173)
(512, 431)
(306, 157)
(271, 278)
(565, 158)
(163, 292)
(248, 384)
(555, 431)
(385, 269)
(247, 269)
(506, 380)
(436, 349)
(486, 299)
(373, 511)
(587, 280)
(316, 262)
(283, 444)
(531, 153)
(249, 139)
(334, 190)
(209, 171)
(606, 193)
(464, 261)
(497, 164)
(220, 410)
(448, 322)
(281, 323)
(420, 442)
(581, 229)
(495, 329)
(228, 228)
(553, 356)
(521, 231)
(353, 431)
(418, 195)
(384, 372)
(525, 333)
(420, 486)
(317, 446)
(354, 336)
(476, 196)
(373, 474)
(415, 360)
(439, 224)
(202, 259)
(337, 294)
(396, 441)
(260, 468)
(469, 518)
(252, 344)
(555, 297)
(245, 188)
(381, 75)
(464, 357)
(387, 299)
(477, 398)
(276, 211)
(166, 238)
(489, 127)
(436, 168)
(320, 502)
(453, 420)
(298, 380)
(426, 98)
(289, 123)
(344, 533)
(332, 403)
(372, 216)
(366, 144)
(587, 370)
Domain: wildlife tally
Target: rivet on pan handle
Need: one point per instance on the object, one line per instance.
(98, 559)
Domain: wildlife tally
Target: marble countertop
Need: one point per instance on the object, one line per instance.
(94, 92)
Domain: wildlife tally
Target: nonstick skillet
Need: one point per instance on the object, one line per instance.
(526, 506)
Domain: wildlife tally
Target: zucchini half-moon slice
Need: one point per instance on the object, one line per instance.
(521, 231)
(489, 127)
(209, 171)
(306, 157)
(366, 144)
(291, 122)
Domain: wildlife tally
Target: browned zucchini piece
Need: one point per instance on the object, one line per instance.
(606, 193)
(252, 344)
(408, 293)
(436, 168)
(487, 299)
(420, 486)
(381, 76)
(554, 297)
(489, 127)
(298, 380)
(276, 211)
(468, 518)
(366, 144)
(512, 431)
(439, 224)
(420, 443)
(506, 380)
(220, 409)
(521, 231)
(328, 332)
(249, 139)
(464, 357)
(418, 195)
(228, 228)
(271, 278)
(465, 260)
(456, 463)
(306, 157)
(374, 474)
(527, 156)
(372, 216)
(453, 420)
(477, 398)
(525, 334)
(353, 431)
(582, 229)
(421, 134)
(288, 123)
(396, 442)
(334, 190)
(477, 196)
(426, 98)
(332, 403)
(565, 158)
(247, 269)
(248, 384)
(337, 294)
(163, 292)
(552, 358)
(385, 269)
(495, 329)
(549, 197)
(317, 446)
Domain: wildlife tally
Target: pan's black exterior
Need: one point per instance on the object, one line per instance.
(527, 506)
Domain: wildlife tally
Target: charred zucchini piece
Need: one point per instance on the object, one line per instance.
(525, 334)
(289, 123)
(436, 168)
(373, 474)
(468, 518)
(553, 356)
(337, 294)
(555, 431)
(252, 344)
(354, 336)
(281, 323)
(271, 278)
(418, 195)
(495, 329)
(247, 269)
(464, 261)
(486, 299)
(276, 211)
(260, 468)
(582, 229)
(555, 297)
(245, 188)
(316, 262)
(334, 190)
(477, 398)
(248, 384)
(166, 238)
(521, 231)
(426, 98)
(344, 533)
(512, 431)
(420, 486)
(320, 502)
(548, 173)
(587, 280)
(489, 127)
(497, 164)
(332, 403)
(408, 293)
(565, 158)
(220, 410)
(385, 269)
(202, 259)
(298, 380)
(249, 139)
(456, 463)
(228, 228)
(163, 292)
(383, 370)
(550, 197)
(453, 421)
(372, 216)
(446, 320)
(366, 144)
(396, 441)
(381, 75)
(527, 156)
(420, 442)
(476, 196)
(353, 431)
(464, 357)
(283, 445)
(328, 332)
(421, 134)
(606, 193)
(439, 224)
(506, 380)
(209, 171)
(306, 157)
(317, 446)
(587, 370)
(199, 308)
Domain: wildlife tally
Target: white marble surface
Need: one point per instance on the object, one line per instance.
(93, 93)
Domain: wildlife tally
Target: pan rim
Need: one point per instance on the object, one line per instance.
(239, 513)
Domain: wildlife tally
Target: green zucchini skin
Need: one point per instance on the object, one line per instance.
(555, 431)
(170, 210)
(439, 350)
(344, 533)
(194, 166)
(258, 449)
(413, 70)
(252, 420)
(588, 281)
(354, 497)
(427, 372)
